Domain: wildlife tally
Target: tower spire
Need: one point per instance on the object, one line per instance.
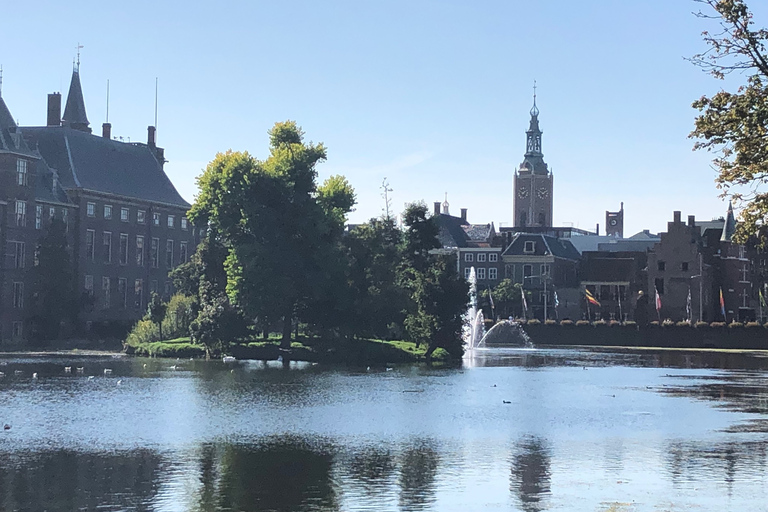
(535, 109)
(78, 48)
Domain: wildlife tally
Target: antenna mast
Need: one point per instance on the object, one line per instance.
(79, 46)
(385, 194)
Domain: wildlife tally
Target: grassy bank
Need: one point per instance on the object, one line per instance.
(353, 352)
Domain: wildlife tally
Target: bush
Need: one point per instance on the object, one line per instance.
(630, 323)
(717, 325)
(701, 325)
(735, 325)
(145, 331)
(667, 323)
(655, 323)
(601, 323)
(440, 354)
(684, 323)
(566, 322)
(533, 321)
(550, 322)
(753, 325)
(614, 323)
(582, 322)
(179, 315)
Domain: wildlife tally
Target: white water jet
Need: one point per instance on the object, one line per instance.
(474, 326)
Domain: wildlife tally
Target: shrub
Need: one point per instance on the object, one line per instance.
(717, 325)
(582, 322)
(701, 325)
(667, 323)
(145, 331)
(533, 321)
(684, 323)
(735, 325)
(440, 354)
(655, 323)
(550, 322)
(614, 323)
(601, 323)
(753, 325)
(179, 315)
(566, 322)
(630, 323)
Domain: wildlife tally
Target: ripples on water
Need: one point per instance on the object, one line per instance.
(527, 430)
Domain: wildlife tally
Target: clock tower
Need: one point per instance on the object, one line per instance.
(532, 201)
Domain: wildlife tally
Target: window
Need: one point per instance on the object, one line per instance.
(171, 221)
(123, 248)
(141, 216)
(659, 284)
(662, 266)
(65, 219)
(509, 271)
(529, 247)
(493, 273)
(21, 214)
(182, 252)
(140, 250)
(480, 273)
(16, 254)
(106, 285)
(122, 291)
(138, 294)
(106, 242)
(467, 270)
(154, 253)
(18, 329)
(91, 209)
(156, 219)
(684, 266)
(21, 172)
(469, 257)
(38, 217)
(90, 240)
(184, 223)
(107, 211)
(89, 285)
(527, 271)
(742, 252)
(51, 213)
(493, 257)
(169, 254)
(18, 295)
(481, 257)
(544, 270)
(124, 215)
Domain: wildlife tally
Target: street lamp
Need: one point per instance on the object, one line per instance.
(544, 279)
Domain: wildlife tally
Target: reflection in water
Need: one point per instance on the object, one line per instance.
(530, 479)
(66, 480)
(418, 469)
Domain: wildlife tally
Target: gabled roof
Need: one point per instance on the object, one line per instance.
(456, 232)
(544, 245)
(74, 111)
(6, 119)
(98, 164)
(10, 134)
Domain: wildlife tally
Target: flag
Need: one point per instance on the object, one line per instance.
(688, 305)
(722, 303)
(557, 302)
(658, 301)
(525, 303)
(762, 299)
(490, 296)
(590, 298)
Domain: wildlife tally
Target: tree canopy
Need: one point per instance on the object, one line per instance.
(735, 124)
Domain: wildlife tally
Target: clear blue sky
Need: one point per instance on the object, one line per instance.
(434, 95)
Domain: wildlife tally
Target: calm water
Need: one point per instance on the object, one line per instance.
(527, 430)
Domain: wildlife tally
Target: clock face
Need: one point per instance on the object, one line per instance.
(543, 192)
(614, 222)
(522, 192)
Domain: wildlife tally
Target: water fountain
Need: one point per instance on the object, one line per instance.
(474, 322)
(507, 332)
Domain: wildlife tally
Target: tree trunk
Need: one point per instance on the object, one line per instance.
(286, 341)
(428, 354)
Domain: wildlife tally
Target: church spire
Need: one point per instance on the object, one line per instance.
(730, 225)
(534, 158)
(74, 111)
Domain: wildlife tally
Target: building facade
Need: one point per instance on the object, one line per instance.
(533, 182)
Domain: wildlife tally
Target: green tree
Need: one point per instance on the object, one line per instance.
(156, 311)
(281, 230)
(507, 298)
(53, 284)
(735, 124)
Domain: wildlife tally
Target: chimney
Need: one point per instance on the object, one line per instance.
(437, 207)
(692, 221)
(597, 229)
(676, 217)
(106, 130)
(464, 214)
(151, 134)
(54, 109)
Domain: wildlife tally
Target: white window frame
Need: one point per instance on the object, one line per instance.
(90, 252)
(21, 214)
(493, 257)
(141, 216)
(155, 219)
(480, 273)
(493, 273)
(140, 250)
(22, 179)
(122, 287)
(467, 271)
(469, 257)
(106, 246)
(169, 253)
(183, 252)
(171, 221)
(529, 247)
(39, 216)
(107, 211)
(124, 253)
(481, 257)
(90, 209)
(545, 269)
(125, 215)
(184, 223)
(154, 252)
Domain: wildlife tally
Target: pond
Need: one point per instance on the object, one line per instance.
(513, 429)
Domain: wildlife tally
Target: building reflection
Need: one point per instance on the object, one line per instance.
(531, 470)
(419, 462)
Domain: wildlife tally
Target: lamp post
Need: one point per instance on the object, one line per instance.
(700, 277)
(543, 279)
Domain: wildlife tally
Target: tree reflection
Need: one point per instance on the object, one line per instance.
(531, 473)
(67, 480)
(418, 469)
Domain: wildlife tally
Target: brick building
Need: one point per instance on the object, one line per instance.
(126, 219)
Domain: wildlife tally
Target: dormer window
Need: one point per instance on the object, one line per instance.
(530, 247)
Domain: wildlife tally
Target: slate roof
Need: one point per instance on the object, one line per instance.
(455, 232)
(74, 111)
(11, 139)
(44, 185)
(545, 245)
(98, 164)
(730, 225)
